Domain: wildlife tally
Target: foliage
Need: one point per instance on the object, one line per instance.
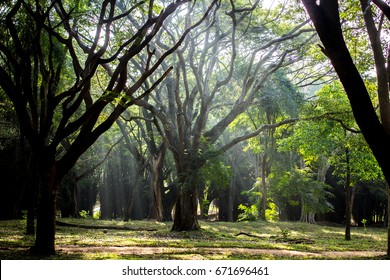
(299, 187)
(284, 232)
(249, 213)
(272, 213)
(364, 222)
(97, 215)
(216, 173)
(84, 214)
(329, 130)
(23, 221)
(254, 194)
(9, 129)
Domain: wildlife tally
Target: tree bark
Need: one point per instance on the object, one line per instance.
(185, 218)
(157, 182)
(46, 209)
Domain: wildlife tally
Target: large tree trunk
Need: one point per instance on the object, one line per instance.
(46, 208)
(158, 182)
(186, 207)
(186, 210)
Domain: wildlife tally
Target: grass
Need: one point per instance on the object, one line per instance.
(216, 240)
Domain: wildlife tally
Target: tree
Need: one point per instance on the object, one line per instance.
(214, 84)
(51, 55)
(278, 100)
(325, 16)
(329, 137)
(301, 187)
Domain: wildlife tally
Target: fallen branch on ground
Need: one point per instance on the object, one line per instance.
(249, 235)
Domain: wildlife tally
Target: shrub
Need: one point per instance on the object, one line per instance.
(97, 215)
(248, 213)
(271, 213)
(84, 214)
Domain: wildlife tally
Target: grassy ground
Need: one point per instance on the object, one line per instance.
(216, 240)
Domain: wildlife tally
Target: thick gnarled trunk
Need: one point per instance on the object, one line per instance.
(46, 206)
(186, 207)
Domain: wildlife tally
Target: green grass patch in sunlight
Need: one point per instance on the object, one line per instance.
(216, 240)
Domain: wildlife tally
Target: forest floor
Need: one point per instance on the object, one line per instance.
(149, 240)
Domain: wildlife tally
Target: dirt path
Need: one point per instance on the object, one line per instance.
(204, 252)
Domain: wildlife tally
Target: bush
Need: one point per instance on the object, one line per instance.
(84, 214)
(271, 213)
(248, 213)
(97, 215)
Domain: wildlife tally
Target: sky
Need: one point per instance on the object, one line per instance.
(268, 3)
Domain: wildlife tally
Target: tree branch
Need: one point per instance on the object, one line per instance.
(385, 8)
(255, 133)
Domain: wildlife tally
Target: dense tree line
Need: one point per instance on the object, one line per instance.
(181, 110)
